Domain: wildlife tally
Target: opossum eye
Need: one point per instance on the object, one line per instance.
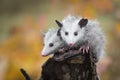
(66, 33)
(51, 45)
(75, 33)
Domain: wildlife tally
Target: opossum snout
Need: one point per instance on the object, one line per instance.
(70, 44)
(43, 55)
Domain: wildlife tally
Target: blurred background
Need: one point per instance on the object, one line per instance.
(21, 41)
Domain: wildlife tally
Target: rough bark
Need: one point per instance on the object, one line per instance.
(76, 66)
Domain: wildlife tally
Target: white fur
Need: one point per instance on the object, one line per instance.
(51, 37)
(91, 33)
(70, 25)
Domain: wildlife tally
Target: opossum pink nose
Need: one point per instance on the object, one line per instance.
(43, 55)
(70, 44)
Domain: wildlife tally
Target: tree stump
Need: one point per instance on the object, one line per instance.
(76, 66)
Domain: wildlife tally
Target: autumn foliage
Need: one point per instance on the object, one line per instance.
(21, 41)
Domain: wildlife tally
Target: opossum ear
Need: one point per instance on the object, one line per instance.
(58, 32)
(58, 23)
(43, 33)
(83, 22)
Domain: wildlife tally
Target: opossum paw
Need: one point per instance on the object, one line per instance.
(84, 49)
(87, 49)
(61, 50)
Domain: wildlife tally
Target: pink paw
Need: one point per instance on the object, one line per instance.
(84, 49)
(61, 50)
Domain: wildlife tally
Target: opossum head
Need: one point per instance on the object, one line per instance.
(72, 30)
(52, 42)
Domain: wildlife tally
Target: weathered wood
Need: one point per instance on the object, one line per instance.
(75, 67)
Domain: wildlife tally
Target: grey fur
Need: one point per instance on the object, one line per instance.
(52, 37)
(95, 37)
(91, 33)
